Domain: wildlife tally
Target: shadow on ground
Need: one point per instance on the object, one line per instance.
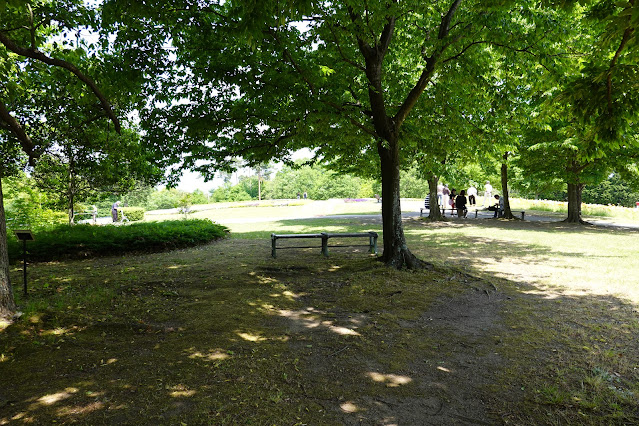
(223, 334)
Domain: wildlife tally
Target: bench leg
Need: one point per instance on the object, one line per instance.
(372, 243)
(273, 243)
(522, 215)
(324, 244)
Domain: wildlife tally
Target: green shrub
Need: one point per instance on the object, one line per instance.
(84, 241)
(132, 213)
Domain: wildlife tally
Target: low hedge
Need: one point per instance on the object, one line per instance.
(85, 241)
(132, 213)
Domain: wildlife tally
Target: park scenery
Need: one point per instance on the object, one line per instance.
(417, 213)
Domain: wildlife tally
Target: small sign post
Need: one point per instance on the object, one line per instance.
(24, 235)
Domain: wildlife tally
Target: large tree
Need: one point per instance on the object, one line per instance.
(26, 28)
(590, 123)
(259, 80)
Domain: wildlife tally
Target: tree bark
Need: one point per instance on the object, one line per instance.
(7, 303)
(71, 200)
(574, 204)
(396, 252)
(504, 187)
(434, 212)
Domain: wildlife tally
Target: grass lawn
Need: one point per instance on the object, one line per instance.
(518, 323)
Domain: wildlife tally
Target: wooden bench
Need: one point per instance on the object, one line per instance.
(325, 236)
(453, 212)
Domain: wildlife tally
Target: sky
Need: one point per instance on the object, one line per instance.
(191, 181)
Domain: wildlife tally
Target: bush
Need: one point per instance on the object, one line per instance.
(84, 241)
(132, 213)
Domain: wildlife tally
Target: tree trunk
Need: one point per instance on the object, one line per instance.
(434, 212)
(504, 187)
(574, 203)
(71, 212)
(7, 303)
(70, 192)
(396, 252)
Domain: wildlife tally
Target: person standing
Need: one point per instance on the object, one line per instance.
(488, 192)
(472, 194)
(460, 203)
(445, 198)
(453, 196)
(114, 211)
(440, 194)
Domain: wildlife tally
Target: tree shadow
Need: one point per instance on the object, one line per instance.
(223, 334)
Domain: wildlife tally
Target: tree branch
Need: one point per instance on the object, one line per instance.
(12, 124)
(39, 56)
(313, 89)
(444, 28)
(627, 35)
(429, 70)
(344, 57)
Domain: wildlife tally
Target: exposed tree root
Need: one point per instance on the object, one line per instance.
(580, 221)
(403, 258)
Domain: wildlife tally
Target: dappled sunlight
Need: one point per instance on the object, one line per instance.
(334, 268)
(344, 331)
(4, 324)
(266, 280)
(263, 279)
(55, 332)
(349, 407)
(176, 266)
(258, 338)
(35, 318)
(288, 295)
(53, 398)
(212, 355)
(390, 380)
(81, 410)
(266, 307)
(23, 416)
(310, 319)
(251, 337)
(181, 391)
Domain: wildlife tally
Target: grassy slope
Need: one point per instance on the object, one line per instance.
(222, 334)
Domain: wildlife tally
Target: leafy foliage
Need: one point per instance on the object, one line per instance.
(613, 190)
(132, 213)
(84, 241)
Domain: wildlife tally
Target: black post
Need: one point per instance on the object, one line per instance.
(24, 265)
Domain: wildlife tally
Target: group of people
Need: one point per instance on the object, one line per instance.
(449, 199)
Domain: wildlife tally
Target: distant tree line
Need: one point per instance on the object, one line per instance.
(26, 203)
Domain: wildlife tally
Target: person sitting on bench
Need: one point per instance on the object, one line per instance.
(498, 207)
(460, 204)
